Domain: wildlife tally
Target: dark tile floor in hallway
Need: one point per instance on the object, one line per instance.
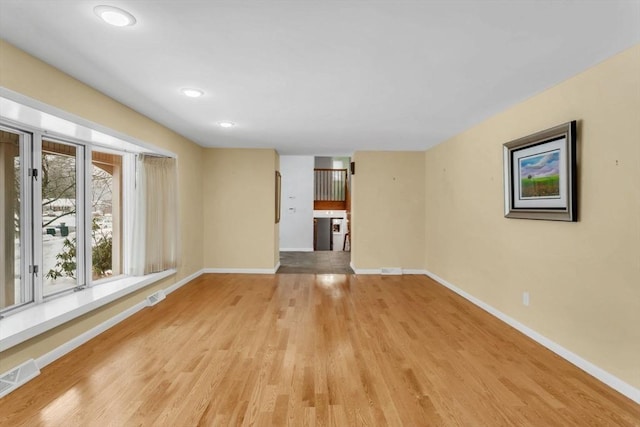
(318, 262)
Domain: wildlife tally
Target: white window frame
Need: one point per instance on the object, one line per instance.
(127, 201)
(26, 241)
(31, 250)
(81, 213)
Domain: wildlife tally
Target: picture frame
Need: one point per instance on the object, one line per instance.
(278, 195)
(540, 175)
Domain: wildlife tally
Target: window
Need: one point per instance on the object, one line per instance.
(13, 290)
(106, 215)
(60, 204)
(66, 203)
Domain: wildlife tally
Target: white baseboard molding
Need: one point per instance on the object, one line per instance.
(243, 270)
(296, 249)
(381, 272)
(414, 271)
(183, 282)
(609, 379)
(365, 270)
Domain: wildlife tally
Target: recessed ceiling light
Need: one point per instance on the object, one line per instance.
(192, 93)
(114, 16)
(226, 124)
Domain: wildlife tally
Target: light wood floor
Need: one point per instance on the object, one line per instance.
(314, 350)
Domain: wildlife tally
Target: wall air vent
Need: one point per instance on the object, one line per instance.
(16, 377)
(155, 298)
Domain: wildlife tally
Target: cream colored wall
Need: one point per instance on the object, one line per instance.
(584, 277)
(388, 210)
(239, 208)
(29, 76)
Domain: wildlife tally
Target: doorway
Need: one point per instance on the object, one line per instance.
(314, 230)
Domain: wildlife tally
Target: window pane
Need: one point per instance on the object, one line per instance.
(59, 195)
(13, 291)
(106, 203)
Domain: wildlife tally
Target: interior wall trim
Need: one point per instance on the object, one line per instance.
(595, 371)
(183, 282)
(365, 270)
(380, 270)
(413, 271)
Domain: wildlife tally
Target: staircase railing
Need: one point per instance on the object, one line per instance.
(331, 191)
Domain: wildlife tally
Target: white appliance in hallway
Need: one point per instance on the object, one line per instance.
(338, 226)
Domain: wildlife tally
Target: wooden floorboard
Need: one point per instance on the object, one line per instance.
(314, 350)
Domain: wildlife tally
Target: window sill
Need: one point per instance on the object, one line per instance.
(33, 321)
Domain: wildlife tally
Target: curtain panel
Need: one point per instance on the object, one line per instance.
(155, 220)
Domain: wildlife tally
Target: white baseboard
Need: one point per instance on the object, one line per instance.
(365, 270)
(183, 282)
(296, 249)
(414, 271)
(609, 379)
(380, 270)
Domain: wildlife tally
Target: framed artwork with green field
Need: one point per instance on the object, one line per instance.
(540, 175)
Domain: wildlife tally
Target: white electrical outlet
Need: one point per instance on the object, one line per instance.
(525, 298)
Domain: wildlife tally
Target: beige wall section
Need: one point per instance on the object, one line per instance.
(29, 76)
(239, 208)
(584, 277)
(388, 209)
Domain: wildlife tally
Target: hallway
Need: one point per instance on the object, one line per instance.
(318, 262)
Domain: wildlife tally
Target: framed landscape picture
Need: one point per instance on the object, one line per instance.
(540, 175)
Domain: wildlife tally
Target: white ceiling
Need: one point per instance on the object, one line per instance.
(320, 76)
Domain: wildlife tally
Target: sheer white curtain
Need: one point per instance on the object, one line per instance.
(155, 219)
